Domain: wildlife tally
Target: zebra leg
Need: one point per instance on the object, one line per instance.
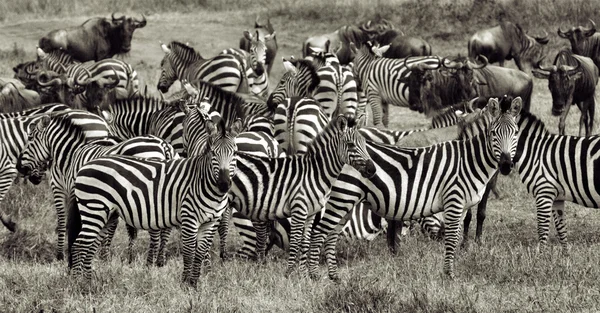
(189, 233)
(385, 109)
(332, 222)
(7, 176)
(154, 241)
(60, 202)
(87, 262)
(493, 183)
(299, 214)
(306, 243)
(544, 209)
(206, 234)
(392, 232)
(132, 235)
(262, 234)
(466, 223)
(558, 211)
(161, 259)
(374, 100)
(111, 228)
(330, 256)
(223, 232)
(481, 209)
(452, 217)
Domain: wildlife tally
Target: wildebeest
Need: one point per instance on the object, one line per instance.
(571, 80)
(584, 41)
(267, 34)
(401, 46)
(15, 97)
(508, 41)
(96, 39)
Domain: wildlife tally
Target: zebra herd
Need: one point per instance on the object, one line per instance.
(295, 167)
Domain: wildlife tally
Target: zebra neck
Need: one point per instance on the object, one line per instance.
(323, 154)
(478, 160)
(533, 137)
(204, 181)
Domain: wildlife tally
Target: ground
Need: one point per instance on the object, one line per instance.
(505, 273)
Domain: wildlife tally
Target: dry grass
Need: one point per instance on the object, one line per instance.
(504, 274)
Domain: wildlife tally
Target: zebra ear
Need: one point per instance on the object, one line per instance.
(247, 35)
(493, 107)
(515, 106)
(384, 49)
(342, 123)
(43, 122)
(289, 67)
(236, 128)
(361, 120)
(108, 117)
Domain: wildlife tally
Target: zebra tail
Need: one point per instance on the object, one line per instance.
(73, 227)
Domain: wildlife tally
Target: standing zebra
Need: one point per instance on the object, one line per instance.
(254, 63)
(70, 139)
(297, 185)
(188, 192)
(413, 182)
(299, 80)
(13, 139)
(381, 78)
(184, 63)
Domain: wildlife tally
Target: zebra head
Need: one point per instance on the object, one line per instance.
(178, 57)
(299, 80)
(34, 159)
(195, 127)
(353, 148)
(258, 51)
(503, 131)
(221, 148)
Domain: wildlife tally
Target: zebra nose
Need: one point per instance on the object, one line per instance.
(20, 167)
(505, 163)
(369, 169)
(224, 182)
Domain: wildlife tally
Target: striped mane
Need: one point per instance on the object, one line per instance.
(85, 125)
(234, 103)
(184, 51)
(531, 119)
(310, 68)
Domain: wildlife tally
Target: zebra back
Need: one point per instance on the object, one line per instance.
(297, 122)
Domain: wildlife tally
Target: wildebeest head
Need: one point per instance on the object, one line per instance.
(561, 82)
(26, 72)
(100, 91)
(420, 74)
(577, 35)
(462, 71)
(121, 30)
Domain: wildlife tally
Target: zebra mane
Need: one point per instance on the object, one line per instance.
(475, 124)
(311, 69)
(325, 133)
(530, 118)
(231, 100)
(181, 48)
(82, 123)
(106, 141)
(62, 55)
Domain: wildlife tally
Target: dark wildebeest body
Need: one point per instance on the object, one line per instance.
(96, 39)
(584, 41)
(571, 80)
(500, 81)
(266, 33)
(505, 42)
(402, 46)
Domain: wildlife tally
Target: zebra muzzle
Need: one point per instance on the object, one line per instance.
(366, 168)
(505, 164)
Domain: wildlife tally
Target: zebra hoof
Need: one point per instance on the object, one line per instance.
(161, 262)
(314, 276)
(225, 256)
(60, 256)
(335, 279)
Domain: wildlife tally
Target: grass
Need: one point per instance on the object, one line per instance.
(504, 274)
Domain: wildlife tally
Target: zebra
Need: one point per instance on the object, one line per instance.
(146, 115)
(254, 63)
(445, 177)
(183, 62)
(14, 135)
(556, 169)
(75, 84)
(70, 139)
(337, 90)
(192, 194)
(381, 78)
(297, 185)
(299, 80)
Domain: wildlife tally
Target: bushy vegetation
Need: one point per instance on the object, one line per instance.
(505, 273)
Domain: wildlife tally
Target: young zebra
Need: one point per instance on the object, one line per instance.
(13, 139)
(188, 192)
(433, 179)
(184, 63)
(254, 63)
(70, 139)
(380, 78)
(297, 185)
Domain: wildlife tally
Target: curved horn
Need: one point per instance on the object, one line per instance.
(474, 66)
(34, 72)
(551, 68)
(542, 38)
(85, 81)
(569, 68)
(562, 33)
(590, 30)
(140, 23)
(40, 53)
(115, 83)
(117, 19)
(451, 64)
(53, 82)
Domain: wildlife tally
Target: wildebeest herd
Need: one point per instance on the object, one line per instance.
(295, 165)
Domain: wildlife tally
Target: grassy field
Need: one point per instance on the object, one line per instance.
(504, 274)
